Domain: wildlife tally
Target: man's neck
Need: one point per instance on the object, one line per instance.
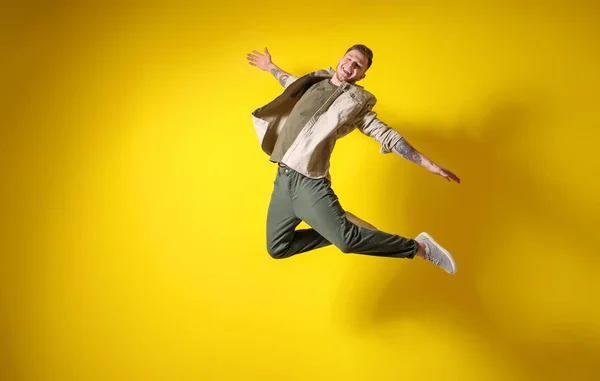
(335, 80)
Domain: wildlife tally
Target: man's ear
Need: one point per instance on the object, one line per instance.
(363, 76)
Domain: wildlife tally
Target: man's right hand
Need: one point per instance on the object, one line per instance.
(262, 61)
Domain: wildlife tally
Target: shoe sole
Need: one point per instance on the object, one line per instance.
(442, 249)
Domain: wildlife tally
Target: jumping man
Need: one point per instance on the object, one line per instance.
(298, 130)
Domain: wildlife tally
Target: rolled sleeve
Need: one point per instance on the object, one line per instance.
(291, 79)
(370, 125)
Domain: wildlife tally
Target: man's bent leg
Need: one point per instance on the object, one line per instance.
(283, 240)
(318, 205)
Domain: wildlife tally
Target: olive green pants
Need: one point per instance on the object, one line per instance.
(298, 198)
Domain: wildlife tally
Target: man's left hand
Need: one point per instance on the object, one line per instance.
(445, 173)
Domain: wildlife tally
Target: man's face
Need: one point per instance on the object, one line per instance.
(352, 67)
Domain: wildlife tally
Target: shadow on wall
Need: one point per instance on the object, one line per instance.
(497, 199)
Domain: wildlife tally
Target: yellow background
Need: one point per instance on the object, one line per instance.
(135, 194)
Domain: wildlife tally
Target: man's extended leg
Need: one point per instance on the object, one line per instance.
(315, 202)
(283, 240)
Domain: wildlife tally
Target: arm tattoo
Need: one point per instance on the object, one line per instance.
(407, 151)
(283, 79)
(275, 72)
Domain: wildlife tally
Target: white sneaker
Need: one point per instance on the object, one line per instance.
(436, 254)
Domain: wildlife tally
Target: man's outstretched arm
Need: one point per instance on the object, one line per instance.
(264, 62)
(392, 141)
(407, 151)
(282, 76)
